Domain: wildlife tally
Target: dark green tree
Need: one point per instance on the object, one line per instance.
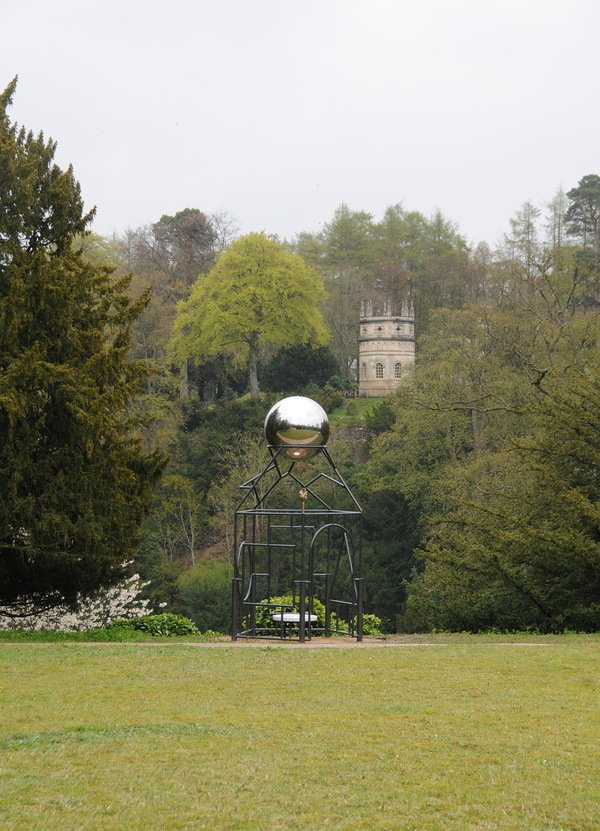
(293, 368)
(176, 249)
(583, 213)
(74, 481)
(205, 595)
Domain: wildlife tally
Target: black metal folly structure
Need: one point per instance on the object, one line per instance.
(298, 550)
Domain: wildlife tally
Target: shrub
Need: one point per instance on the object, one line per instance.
(96, 612)
(263, 614)
(340, 384)
(352, 408)
(205, 595)
(329, 398)
(371, 625)
(167, 625)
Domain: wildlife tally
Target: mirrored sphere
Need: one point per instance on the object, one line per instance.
(299, 422)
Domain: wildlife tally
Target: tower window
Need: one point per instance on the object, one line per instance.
(398, 370)
(364, 370)
(379, 370)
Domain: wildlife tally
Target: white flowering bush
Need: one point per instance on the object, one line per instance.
(121, 602)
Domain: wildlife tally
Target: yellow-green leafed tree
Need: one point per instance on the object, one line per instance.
(258, 294)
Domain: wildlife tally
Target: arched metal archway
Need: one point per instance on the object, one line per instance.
(342, 590)
(298, 535)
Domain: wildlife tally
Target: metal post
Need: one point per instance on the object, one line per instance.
(359, 603)
(302, 604)
(328, 605)
(253, 602)
(235, 583)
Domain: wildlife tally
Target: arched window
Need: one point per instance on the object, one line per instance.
(379, 370)
(363, 371)
(398, 370)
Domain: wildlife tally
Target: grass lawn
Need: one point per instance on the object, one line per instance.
(341, 418)
(429, 733)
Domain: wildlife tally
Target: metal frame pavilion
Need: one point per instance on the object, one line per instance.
(306, 542)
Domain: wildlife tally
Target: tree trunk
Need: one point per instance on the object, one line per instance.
(252, 369)
(183, 381)
(477, 432)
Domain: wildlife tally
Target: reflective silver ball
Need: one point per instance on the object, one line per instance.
(298, 422)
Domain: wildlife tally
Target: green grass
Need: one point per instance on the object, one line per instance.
(435, 732)
(341, 418)
(117, 635)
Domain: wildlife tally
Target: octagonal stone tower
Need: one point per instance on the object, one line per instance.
(386, 348)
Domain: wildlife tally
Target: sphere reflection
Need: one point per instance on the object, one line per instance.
(298, 422)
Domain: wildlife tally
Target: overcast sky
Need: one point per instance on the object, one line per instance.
(279, 111)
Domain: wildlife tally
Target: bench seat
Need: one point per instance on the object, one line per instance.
(292, 617)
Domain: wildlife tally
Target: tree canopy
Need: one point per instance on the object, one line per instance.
(258, 294)
(496, 447)
(583, 214)
(478, 480)
(74, 480)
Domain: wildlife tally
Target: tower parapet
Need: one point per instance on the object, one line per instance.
(386, 347)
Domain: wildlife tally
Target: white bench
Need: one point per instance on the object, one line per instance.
(288, 619)
(292, 617)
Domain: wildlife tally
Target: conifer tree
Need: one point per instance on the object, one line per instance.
(74, 480)
(583, 214)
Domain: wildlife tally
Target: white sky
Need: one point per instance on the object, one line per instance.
(278, 111)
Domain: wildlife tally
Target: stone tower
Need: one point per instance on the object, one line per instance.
(386, 348)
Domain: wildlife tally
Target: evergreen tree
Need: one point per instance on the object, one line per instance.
(293, 368)
(583, 214)
(74, 480)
